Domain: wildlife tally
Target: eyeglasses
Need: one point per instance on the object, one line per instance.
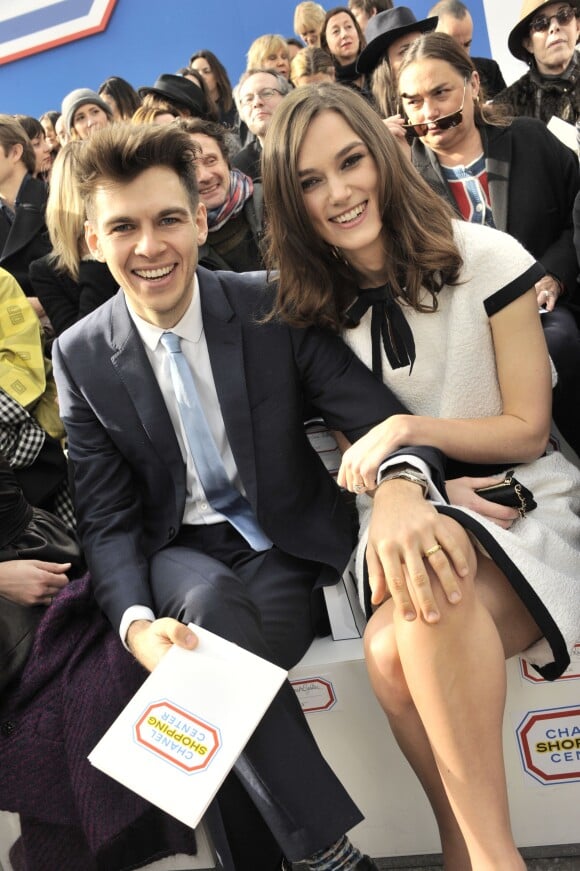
(543, 22)
(265, 95)
(445, 122)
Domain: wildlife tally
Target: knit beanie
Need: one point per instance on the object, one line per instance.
(78, 98)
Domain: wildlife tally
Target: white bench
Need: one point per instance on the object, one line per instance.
(353, 733)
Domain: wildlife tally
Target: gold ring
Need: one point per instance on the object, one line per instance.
(433, 550)
(358, 488)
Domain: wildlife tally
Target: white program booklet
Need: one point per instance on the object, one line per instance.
(183, 730)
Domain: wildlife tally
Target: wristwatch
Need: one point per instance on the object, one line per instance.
(408, 474)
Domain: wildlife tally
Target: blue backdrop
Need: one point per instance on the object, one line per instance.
(146, 37)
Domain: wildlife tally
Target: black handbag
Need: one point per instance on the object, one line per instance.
(511, 493)
(45, 538)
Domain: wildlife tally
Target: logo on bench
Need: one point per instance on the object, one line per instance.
(549, 744)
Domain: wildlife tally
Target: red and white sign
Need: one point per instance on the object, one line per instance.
(31, 26)
(549, 743)
(314, 694)
(572, 672)
(177, 736)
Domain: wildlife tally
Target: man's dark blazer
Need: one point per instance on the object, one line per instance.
(533, 181)
(129, 473)
(26, 239)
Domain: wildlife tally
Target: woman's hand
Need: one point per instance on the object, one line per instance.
(32, 582)
(360, 463)
(461, 491)
(395, 125)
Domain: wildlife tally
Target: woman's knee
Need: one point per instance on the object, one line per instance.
(384, 663)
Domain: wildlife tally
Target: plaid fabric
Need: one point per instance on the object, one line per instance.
(63, 506)
(21, 438)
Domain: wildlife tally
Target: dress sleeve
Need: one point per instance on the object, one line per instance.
(514, 289)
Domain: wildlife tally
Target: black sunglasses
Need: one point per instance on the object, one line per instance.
(562, 16)
(445, 122)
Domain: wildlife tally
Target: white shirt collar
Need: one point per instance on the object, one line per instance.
(189, 327)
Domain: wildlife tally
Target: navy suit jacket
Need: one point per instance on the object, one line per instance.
(128, 470)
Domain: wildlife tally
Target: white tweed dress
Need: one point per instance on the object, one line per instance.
(454, 375)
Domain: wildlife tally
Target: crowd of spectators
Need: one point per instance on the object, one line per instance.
(490, 152)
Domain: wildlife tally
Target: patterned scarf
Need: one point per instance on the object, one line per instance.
(241, 189)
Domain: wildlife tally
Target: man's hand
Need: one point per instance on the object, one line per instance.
(149, 642)
(404, 528)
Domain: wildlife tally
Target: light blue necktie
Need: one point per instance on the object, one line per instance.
(219, 491)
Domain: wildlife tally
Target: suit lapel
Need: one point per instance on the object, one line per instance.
(223, 332)
(131, 363)
(498, 152)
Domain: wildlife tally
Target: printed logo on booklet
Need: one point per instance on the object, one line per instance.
(178, 736)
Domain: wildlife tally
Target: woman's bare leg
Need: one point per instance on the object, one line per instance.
(390, 687)
(454, 672)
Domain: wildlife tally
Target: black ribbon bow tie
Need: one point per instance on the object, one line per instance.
(387, 323)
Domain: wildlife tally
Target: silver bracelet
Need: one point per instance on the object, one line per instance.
(412, 475)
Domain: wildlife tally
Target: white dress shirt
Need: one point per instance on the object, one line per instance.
(194, 347)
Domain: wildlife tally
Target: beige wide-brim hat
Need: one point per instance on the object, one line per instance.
(520, 31)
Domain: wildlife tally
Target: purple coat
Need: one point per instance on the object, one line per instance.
(77, 680)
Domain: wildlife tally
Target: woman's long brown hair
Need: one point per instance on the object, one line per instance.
(315, 283)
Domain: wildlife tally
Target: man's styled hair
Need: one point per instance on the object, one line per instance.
(119, 153)
(454, 8)
(207, 128)
(13, 133)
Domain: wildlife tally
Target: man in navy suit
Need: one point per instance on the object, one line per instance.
(160, 555)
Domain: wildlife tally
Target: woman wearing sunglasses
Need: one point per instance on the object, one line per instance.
(512, 175)
(445, 313)
(545, 38)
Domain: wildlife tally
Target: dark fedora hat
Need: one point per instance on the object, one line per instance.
(384, 28)
(521, 30)
(179, 90)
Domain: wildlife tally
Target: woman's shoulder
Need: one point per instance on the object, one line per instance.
(494, 261)
(480, 241)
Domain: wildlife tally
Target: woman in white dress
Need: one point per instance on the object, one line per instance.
(445, 312)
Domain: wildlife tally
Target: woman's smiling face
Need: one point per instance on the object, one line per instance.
(340, 181)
